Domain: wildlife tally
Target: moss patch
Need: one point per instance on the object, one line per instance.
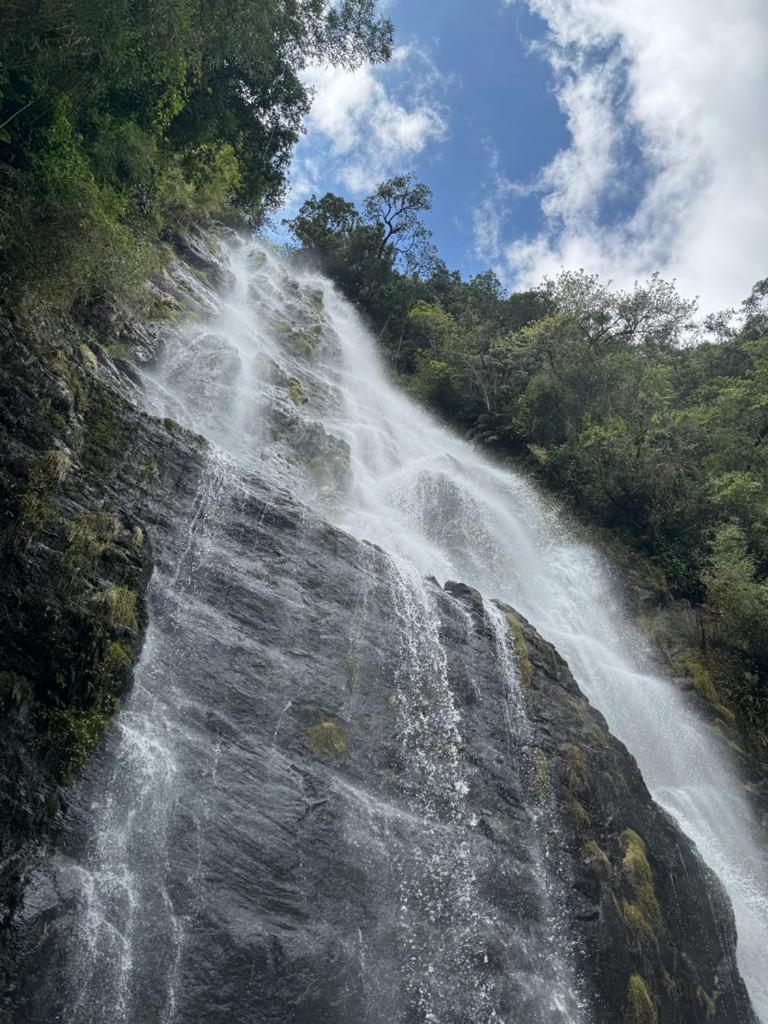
(87, 538)
(640, 1005)
(689, 664)
(707, 1003)
(576, 762)
(327, 739)
(77, 732)
(37, 508)
(640, 910)
(521, 649)
(118, 605)
(580, 814)
(596, 857)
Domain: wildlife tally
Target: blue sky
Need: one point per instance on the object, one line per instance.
(622, 136)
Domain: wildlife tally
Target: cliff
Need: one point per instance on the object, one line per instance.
(337, 791)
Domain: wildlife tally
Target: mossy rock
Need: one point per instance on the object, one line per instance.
(75, 732)
(593, 855)
(117, 605)
(521, 649)
(640, 1006)
(327, 739)
(707, 1003)
(296, 391)
(37, 507)
(641, 910)
(580, 814)
(301, 344)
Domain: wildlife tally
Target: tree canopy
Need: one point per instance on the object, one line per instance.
(119, 119)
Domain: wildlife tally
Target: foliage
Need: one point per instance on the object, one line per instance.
(120, 120)
(619, 401)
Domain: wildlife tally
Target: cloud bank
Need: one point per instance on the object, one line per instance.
(667, 167)
(368, 124)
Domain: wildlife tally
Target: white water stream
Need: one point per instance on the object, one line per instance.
(435, 502)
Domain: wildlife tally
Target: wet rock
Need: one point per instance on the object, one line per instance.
(361, 823)
(201, 251)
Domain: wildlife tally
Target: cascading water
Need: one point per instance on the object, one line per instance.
(204, 867)
(425, 496)
(420, 491)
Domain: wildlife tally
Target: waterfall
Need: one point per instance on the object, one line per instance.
(187, 879)
(433, 501)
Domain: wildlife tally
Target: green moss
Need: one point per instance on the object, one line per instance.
(580, 814)
(87, 538)
(138, 537)
(89, 359)
(592, 854)
(707, 1002)
(106, 440)
(576, 763)
(171, 425)
(600, 734)
(196, 441)
(640, 1006)
(118, 605)
(117, 660)
(689, 665)
(37, 508)
(149, 470)
(70, 373)
(725, 713)
(295, 390)
(299, 342)
(74, 732)
(327, 739)
(119, 351)
(521, 649)
(641, 910)
(542, 783)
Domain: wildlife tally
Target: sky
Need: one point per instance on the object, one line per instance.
(617, 136)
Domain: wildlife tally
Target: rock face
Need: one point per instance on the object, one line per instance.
(84, 478)
(336, 793)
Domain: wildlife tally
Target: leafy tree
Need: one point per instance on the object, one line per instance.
(395, 210)
(120, 120)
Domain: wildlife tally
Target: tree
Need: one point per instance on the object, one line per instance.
(394, 209)
(119, 120)
(321, 225)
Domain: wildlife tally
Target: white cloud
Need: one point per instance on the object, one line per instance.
(676, 90)
(370, 123)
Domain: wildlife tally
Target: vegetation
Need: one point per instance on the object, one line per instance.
(520, 645)
(652, 425)
(641, 909)
(119, 121)
(640, 1006)
(328, 739)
